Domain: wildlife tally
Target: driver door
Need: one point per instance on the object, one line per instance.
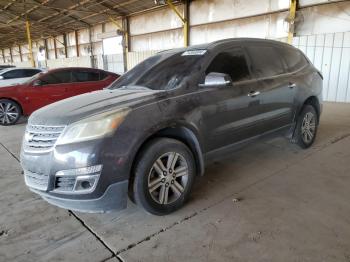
(230, 112)
(49, 88)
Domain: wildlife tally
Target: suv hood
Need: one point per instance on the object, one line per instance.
(76, 108)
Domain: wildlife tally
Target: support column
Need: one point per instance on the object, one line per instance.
(187, 23)
(125, 25)
(55, 46)
(29, 38)
(20, 52)
(92, 57)
(123, 28)
(46, 49)
(183, 19)
(291, 20)
(65, 45)
(3, 55)
(11, 55)
(77, 42)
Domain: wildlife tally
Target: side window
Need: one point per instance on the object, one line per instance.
(231, 62)
(59, 77)
(103, 75)
(13, 74)
(293, 58)
(266, 61)
(85, 76)
(30, 72)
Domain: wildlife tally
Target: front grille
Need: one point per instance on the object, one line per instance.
(63, 183)
(36, 180)
(41, 138)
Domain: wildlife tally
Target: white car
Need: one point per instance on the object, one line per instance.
(15, 76)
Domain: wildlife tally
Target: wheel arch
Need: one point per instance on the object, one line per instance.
(181, 133)
(313, 101)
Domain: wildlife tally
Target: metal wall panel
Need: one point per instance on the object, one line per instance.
(314, 2)
(113, 63)
(264, 26)
(330, 53)
(133, 58)
(323, 19)
(210, 11)
(69, 62)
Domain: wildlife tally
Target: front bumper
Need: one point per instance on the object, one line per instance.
(113, 199)
(111, 189)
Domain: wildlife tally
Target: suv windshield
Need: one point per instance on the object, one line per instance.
(163, 71)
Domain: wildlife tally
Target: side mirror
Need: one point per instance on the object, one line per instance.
(37, 82)
(216, 79)
(1, 77)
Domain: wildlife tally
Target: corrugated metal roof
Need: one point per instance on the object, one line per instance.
(54, 17)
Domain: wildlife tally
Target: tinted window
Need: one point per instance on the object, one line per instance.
(293, 58)
(56, 77)
(14, 74)
(103, 75)
(30, 72)
(232, 63)
(266, 61)
(85, 76)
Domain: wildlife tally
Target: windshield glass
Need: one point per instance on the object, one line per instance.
(163, 71)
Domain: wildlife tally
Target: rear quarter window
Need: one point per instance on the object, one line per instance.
(293, 58)
(103, 75)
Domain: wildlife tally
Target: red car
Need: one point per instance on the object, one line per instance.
(46, 88)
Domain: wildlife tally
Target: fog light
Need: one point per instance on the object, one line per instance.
(85, 183)
(78, 181)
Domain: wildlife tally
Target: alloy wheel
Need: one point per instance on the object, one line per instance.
(308, 127)
(8, 113)
(168, 178)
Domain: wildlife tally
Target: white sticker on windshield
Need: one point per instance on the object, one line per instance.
(194, 52)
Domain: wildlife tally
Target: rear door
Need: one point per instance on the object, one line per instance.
(85, 80)
(53, 87)
(229, 112)
(276, 91)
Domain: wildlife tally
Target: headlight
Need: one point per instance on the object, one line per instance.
(92, 127)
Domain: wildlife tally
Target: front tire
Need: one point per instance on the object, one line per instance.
(164, 176)
(306, 128)
(10, 112)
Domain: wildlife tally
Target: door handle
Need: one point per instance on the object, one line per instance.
(253, 93)
(292, 85)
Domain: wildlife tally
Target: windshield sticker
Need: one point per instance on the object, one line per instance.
(194, 52)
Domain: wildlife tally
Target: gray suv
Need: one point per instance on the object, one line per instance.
(150, 133)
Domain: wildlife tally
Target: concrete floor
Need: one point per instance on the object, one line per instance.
(294, 205)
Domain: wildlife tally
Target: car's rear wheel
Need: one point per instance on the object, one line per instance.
(164, 176)
(306, 128)
(10, 112)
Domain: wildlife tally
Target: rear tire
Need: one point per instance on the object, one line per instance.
(306, 128)
(10, 112)
(164, 175)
